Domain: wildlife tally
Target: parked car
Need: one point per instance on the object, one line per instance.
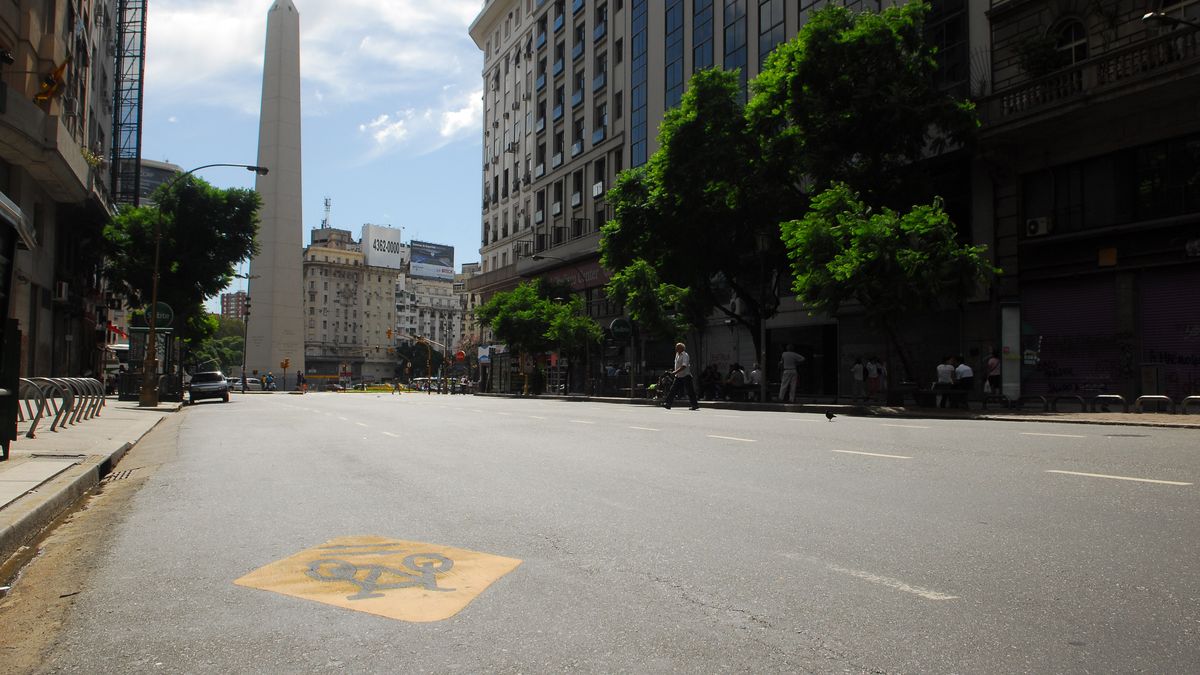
(252, 384)
(208, 385)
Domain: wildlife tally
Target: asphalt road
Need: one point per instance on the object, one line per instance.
(656, 541)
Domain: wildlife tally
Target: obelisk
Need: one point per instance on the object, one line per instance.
(275, 333)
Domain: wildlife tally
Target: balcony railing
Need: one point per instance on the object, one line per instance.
(577, 51)
(1108, 71)
(576, 98)
(598, 135)
(559, 22)
(600, 31)
(599, 80)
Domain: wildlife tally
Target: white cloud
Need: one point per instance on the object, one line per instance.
(398, 55)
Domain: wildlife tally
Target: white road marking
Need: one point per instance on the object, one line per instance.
(800, 419)
(733, 417)
(646, 428)
(343, 418)
(905, 426)
(1031, 433)
(504, 413)
(891, 583)
(535, 417)
(1101, 475)
(388, 433)
(582, 422)
(734, 438)
(870, 454)
(360, 424)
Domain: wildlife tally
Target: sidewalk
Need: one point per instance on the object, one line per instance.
(47, 474)
(1148, 419)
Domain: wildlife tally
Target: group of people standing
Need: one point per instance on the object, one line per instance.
(867, 379)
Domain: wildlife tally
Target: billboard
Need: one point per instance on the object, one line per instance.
(432, 261)
(382, 246)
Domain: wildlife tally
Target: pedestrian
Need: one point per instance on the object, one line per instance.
(755, 382)
(992, 385)
(269, 382)
(735, 383)
(301, 382)
(873, 373)
(964, 378)
(789, 364)
(683, 378)
(858, 380)
(944, 383)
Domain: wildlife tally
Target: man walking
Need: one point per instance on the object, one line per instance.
(790, 363)
(683, 378)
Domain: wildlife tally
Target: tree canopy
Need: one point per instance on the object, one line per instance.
(539, 317)
(892, 264)
(205, 232)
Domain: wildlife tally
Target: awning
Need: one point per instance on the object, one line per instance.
(11, 213)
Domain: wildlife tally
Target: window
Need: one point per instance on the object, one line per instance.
(735, 39)
(702, 35)
(673, 78)
(770, 27)
(639, 78)
(618, 104)
(1071, 40)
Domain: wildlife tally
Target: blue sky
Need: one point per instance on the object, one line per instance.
(392, 104)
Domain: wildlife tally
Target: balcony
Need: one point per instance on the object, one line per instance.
(540, 41)
(558, 113)
(540, 83)
(599, 135)
(539, 217)
(556, 208)
(496, 277)
(576, 199)
(540, 125)
(556, 161)
(1126, 72)
(539, 171)
(559, 22)
(557, 68)
(576, 148)
(600, 80)
(577, 51)
(600, 31)
(576, 98)
(576, 6)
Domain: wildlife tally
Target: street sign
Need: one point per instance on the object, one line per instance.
(621, 328)
(163, 314)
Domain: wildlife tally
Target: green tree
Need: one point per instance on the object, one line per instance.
(532, 318)
(892, 264)
(205, 232)
(854, 98)
(696, 225)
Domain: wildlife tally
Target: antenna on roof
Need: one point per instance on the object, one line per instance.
(325, 220)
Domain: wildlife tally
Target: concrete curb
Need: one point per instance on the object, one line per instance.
(856, 410)
(50, 500)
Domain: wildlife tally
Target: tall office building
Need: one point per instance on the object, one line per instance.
(275, 332)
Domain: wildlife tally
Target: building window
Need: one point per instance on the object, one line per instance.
(702, 35)
(639, 77)
(1071, 40)
(735, 39)
(770, 28)
(673, 78)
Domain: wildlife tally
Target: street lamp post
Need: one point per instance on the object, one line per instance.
(148, 397)
(245, 326)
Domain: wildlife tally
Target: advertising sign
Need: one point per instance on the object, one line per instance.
(382, 246)
(432, 261)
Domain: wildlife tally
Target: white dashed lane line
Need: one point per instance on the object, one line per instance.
(870, 454)
(645, 428)
(583, 422)
(360, 424)
(905, 426)
(1032, 433)
(536, 417)
(733, 438)
(1101, 475)
(388, 433)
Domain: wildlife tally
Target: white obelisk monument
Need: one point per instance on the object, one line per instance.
(275, 333)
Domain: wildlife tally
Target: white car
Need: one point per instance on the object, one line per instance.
(252, 384)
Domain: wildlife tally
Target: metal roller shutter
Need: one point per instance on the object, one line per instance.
(1069, 338)
(1170, 327)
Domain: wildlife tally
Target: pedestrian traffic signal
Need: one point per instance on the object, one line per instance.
(285, 363)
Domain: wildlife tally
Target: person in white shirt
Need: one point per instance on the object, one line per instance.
(683, 378)
(858, 380)
(755, 382)
(945, 382)
(964, 378)
(789, 362)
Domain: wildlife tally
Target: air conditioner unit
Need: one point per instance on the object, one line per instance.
(60, 291)
(1038, 227)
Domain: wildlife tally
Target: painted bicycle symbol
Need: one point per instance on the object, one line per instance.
(423, 569)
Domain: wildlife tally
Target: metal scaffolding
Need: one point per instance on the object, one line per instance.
(127, 105)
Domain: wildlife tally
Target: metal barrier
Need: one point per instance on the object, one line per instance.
(1153, 398)
(1189, 399)
(1103, 400)
(70, 399)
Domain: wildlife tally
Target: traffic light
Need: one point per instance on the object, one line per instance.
(389, 333)
(285, 363)
(246, 307)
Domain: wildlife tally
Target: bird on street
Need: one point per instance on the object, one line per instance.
(829, 416)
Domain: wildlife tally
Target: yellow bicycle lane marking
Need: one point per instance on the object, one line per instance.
(404, 580)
